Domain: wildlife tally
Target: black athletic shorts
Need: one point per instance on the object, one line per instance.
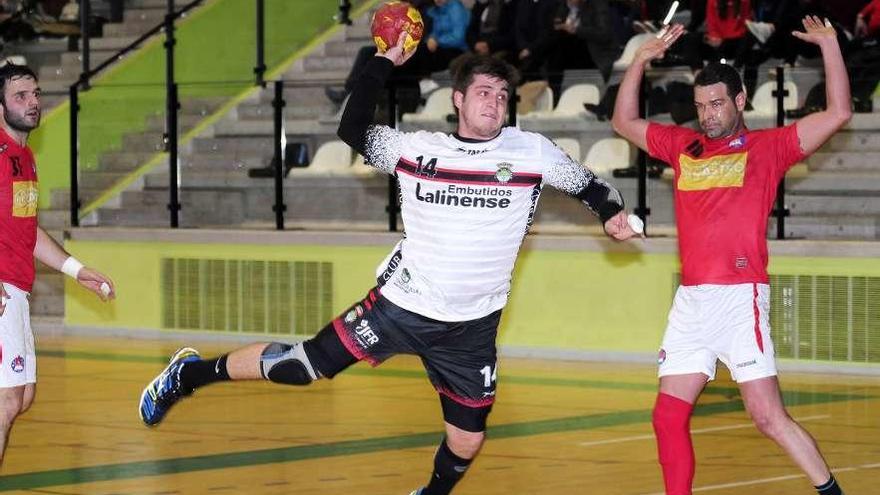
(460, 357)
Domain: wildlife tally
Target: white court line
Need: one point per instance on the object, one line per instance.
(774, 479)
(693, 432)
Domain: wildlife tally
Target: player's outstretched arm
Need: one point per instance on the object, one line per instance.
(54, 256)
(626, 120)
(816, 128)
(357, 119)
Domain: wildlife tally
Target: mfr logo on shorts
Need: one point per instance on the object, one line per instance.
(661, 356)
(365, 334)
(17, 364)
(746, 364)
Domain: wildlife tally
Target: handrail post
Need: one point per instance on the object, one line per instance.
(85, 50)
(641, 210)
(172, 105)
(344, 8)
(278, 104)
(260, 67)
(173, 171)
(74, 156)
(780, 211)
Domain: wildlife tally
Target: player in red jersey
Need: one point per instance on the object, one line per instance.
(22, 240)
(725, 184)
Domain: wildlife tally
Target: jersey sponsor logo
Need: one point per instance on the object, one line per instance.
(737, 143)
(465, 196)
(711, 173)
(504, 173)
(17, 364)
(24, 199)
(742, 262)
(366, 335)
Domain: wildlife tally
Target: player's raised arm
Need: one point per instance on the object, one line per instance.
(814, 129)
(356, 127)
(626, 120)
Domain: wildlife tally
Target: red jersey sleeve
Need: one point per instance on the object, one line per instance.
(664, 142)
(788, 148)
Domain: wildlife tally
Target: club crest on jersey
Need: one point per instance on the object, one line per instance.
(737, 143)
(17, 364)
(405, 276)
(504, 173)
(661, 356)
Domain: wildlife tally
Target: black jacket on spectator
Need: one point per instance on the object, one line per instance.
(595, 30)
(492, 21)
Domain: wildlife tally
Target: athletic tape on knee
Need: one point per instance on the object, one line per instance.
(288, 364)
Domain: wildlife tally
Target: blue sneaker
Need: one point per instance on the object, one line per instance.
(165, 389)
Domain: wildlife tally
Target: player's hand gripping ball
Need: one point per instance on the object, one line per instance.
(391, 19)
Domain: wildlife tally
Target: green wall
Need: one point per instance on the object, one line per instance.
(574, 300)
(215, 57)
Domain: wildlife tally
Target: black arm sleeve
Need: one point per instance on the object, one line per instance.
(601, 198)
(361, 106)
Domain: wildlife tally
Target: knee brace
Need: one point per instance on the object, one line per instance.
(287, 364)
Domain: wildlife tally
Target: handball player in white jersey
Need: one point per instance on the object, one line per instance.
(467, 201)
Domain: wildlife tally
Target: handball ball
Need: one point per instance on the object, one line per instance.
(391, 19)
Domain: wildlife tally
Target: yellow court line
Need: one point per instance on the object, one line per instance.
(123, 183)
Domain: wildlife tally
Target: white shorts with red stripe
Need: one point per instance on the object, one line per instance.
(726, 322)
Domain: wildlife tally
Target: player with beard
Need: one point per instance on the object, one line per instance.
(22, 240)
(725, 185)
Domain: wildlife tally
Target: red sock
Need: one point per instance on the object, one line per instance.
(672, 423)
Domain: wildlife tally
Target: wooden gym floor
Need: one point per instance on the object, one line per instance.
(558, 427)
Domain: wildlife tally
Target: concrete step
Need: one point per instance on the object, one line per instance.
(109, 43)
(828, 227)
(247, 144)
(834, 204)
(122, 161)
(154, 15)
(201, 162)
(128, 29)
(156, 123)
(844, 161)
(56, 219)
(319, 108)
(100, 180)
(328, 63)
(47, 304)
(342, 48)
(144, 142)
(60, 198)
(854, 140)
(823, 181)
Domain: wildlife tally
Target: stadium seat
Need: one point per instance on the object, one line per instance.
(764, 103)
(608, 154)
(570, 146)
(534, 97)
(332, 158)
(360, 167)
(629, 51)
(437, 107)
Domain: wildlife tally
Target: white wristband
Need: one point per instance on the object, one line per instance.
(71, 267)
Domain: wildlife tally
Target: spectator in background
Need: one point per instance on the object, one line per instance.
(581, 39)
(491, 28)
(445, 41)
(532, 28)
(868, 21)
(726, 29)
